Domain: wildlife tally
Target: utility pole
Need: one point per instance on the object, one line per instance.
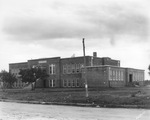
(85, 69)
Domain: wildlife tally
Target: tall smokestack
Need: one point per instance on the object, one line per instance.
(94, 54)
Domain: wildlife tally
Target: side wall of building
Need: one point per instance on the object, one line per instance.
(14, 68)
(112, 76)
(52, 67)
(71, 71)
(134, 76)
(96, 77)
(96, 61)
(117, 76)
(109, 61)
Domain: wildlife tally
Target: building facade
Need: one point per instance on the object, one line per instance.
(69, 72)
(14, 68)
(113, 76)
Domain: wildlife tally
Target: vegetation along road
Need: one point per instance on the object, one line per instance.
(103, 97)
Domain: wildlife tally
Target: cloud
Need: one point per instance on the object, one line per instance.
(49, 28)
(62, 22)
(116, 20)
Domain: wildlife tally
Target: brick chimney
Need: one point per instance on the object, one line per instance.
(94, 54)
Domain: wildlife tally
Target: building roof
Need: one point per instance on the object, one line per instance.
(43, 58)
(114, 67)
(18, 63)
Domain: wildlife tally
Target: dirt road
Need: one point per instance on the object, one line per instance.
(19, 111)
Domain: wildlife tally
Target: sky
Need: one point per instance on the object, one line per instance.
(119, 29)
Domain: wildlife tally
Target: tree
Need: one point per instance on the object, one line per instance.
(32, 75)
(8, 78)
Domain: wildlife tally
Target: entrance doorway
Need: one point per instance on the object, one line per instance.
(130, 78)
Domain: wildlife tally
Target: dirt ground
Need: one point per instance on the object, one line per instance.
(20, 111)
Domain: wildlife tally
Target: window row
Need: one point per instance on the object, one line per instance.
(71, 83)
(52, 68)
(116, 75)
(19, 83)
(15, 70)
(72, 68)
(138, 77)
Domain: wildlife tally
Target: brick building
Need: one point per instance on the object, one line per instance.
(14, 68)
(113, 76)
(68, 72)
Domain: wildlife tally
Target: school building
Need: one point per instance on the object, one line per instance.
(70, 72)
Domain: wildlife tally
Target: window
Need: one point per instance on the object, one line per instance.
(43, 68)
(77, 68)
(69, 83)
(138, 76)
(114, 77)
(52, 69)
(52, 83)
(65, 83)
(134, 77)
(77, 82)
(121, 75)
(81, 66)
(69, 69)
(110, 77)
(34, 66)
(73, 68)
(117, 75)
(141, 76)
(73, 83)
(64, 69)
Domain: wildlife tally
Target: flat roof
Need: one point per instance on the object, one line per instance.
(18, 63)
(114, 67)
(43, 58)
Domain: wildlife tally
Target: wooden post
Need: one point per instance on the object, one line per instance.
(85, 69)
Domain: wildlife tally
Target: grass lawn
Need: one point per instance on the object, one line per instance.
(102, 96)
